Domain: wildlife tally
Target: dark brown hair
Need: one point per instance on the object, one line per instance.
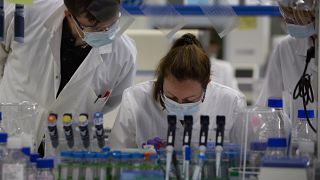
(185, 60)
(79, 7)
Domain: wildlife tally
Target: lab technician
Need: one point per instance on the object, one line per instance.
(182, 87)
(221, 70)
(72, 59)
(285, 75)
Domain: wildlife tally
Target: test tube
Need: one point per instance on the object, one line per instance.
(67, 126)
(84, 130)
(53, 130)
(19, 23)
(98, 123)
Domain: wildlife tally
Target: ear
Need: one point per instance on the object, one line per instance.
(67, 13)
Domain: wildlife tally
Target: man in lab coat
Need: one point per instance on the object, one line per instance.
(182, 87)
(221, 71)
(73, 59)
(288, 60)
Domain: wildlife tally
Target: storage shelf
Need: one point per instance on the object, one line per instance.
(196, 10)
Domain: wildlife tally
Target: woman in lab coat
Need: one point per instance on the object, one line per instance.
(182, 87)
(288, 60)
(72, 59)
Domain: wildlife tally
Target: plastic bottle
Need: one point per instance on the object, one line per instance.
(277, 147)
(3, 148)
(257, 151)
(27, 144)
(45, 169)
(14, 164)
(281, 125)
(32, 166)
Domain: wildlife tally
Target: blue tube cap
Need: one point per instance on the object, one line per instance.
(277, 142)
(98, 115)
(288, 162)
(45, 163)
(137, 155)
(125, 155)
(258, 146)
(78, 154)
(275, 103)
(66, 153)
(102, 155)
(116, 154)
(3, 137)
(106, 149)
(34, 157)
(188, 153)
(302, 114)
(26, 151)
(90, 155)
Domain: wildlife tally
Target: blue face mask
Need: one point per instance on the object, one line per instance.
(180, 110)
(98, 39)
(300, 31)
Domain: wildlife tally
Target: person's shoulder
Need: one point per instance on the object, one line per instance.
(292, 42)
(139, 90)
(125, 45)
(223, 91)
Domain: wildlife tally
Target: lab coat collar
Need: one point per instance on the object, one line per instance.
(302, 46)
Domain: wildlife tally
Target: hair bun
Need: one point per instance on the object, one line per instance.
(188, 38)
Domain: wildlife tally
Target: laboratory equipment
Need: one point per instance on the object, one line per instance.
(172, 121)
(89, 169)
(187, 135)
(84, 130)
(32, 166)
(204, 120)
(98, 123)
(45, 169)
(221, 121)
(14, 164)
(53, 130)
(19, 23)
(65, 166)
(27, 144)
(277, 147)
(67, 126)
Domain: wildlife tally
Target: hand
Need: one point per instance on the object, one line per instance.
(156, 142)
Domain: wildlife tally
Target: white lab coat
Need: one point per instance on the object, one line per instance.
(32, 69)
(285, 68)
(141, 118)
(222, 72)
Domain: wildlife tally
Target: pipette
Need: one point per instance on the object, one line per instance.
(172, 121)
(204, 120)
(19, 23)
(84, 130)
(98, 123)
(187, 134)
(221, 121)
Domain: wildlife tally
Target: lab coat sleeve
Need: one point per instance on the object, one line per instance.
(123, 133)
(8, 35)
(238, 129)
(273, 84)
(125, 81)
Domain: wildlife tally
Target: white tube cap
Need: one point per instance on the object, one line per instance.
(14, 143)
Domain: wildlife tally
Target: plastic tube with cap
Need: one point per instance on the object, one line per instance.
(1, 21)
(221, 121)
(187, 134)
(98, 124)
(67, 126)
(172, 121)
(84, 130)
(19, 23)
(53, 130)
(204, 120)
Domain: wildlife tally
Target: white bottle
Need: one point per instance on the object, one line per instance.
(45, 169)
(14, 165)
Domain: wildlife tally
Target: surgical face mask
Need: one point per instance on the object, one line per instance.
(300, 31)
(180, 110)
(98, 39)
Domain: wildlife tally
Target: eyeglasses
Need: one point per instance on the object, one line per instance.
(94, 28)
